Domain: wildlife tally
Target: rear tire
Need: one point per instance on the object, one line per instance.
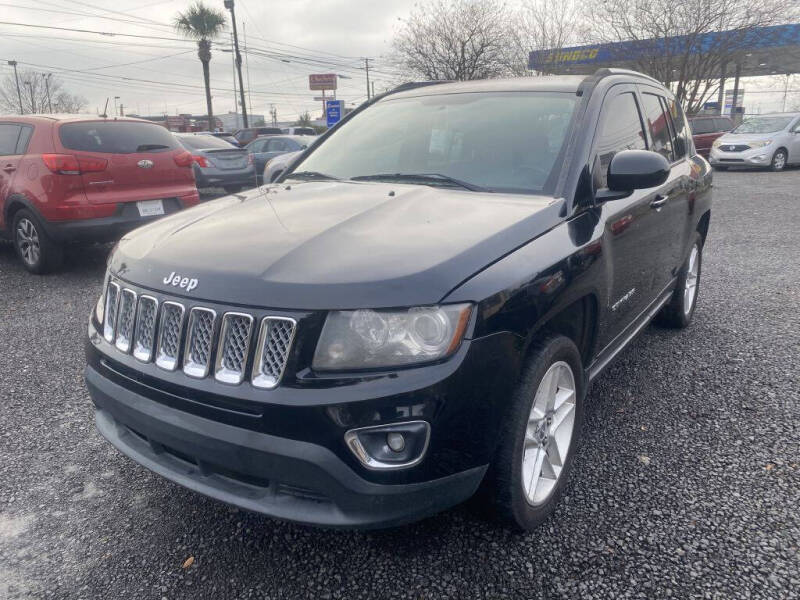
(718, 168)
(539, 436)
(678, 313)
(37, 250)
(778, 160)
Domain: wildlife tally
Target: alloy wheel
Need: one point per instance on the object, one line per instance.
(779, 161)
(548, 433)
(690, 287)
(28, 241)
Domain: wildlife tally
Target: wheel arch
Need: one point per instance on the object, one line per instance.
(13, 204)
(576, 321)
(703, 224)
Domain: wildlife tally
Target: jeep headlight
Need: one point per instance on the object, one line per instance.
(759, 143)
(374, 339)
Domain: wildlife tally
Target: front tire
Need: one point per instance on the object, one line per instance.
(778, 160)
(720, 168)
(678, 313)
(539, 437)
(37, 251)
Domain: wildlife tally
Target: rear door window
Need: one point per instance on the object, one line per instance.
(677, 127)
(702, 126)
(9, 134)
(658, 125)
(116, 137)
(26, 131)
(722, 125)
(203, 142)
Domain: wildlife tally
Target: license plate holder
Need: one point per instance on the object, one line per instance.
(150, 208)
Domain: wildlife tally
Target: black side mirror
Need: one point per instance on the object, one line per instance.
(633, 170)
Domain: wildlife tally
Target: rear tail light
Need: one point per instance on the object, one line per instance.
(184, 159)
(67, 164)
(200, 160)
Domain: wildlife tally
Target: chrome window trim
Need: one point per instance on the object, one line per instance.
(165, 362)
(109, 329)
(124, 344)
(258, 378)
(190, 367)
(138, 354)
(221, 373)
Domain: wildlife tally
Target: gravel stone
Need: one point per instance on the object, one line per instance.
(712, 514)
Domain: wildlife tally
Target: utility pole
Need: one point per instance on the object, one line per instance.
(47, 87)
(13, 63)
(373, 89)
(121, 110)
(115, 106)
(786, 90)
(235, 90)
(229, 6)
(247, 67)
(33, 100)
(366, 66)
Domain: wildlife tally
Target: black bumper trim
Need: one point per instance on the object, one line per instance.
(234, 465)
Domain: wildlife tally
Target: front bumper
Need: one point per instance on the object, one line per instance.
(754, 157)
(283, 478)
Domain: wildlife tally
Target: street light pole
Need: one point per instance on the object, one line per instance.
(47, 88)
(229, 6)
(13, 63)
(33, 100)
(116, 113)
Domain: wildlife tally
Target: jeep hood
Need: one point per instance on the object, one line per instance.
(332, 245)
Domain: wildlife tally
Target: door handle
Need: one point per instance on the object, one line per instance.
(659, 201)
(9, 168)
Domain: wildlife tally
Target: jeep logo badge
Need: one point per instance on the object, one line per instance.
(145, 164)
(182, 282)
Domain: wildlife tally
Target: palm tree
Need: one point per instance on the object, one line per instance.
(203, 24)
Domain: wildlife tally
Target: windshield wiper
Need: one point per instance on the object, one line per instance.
(311, 175)
(424, 178)
(146, 147)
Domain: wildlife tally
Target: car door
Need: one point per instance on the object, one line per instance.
(630, 223)
(9, 161)
(670, 205)
(794, 142)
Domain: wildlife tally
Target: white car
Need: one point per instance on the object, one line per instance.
(276, 166)
(771, 141)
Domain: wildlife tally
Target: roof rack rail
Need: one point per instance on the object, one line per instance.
(608, 71)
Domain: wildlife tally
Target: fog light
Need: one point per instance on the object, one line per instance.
(391, 446)
(396, 441)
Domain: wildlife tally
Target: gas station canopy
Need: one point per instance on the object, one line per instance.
(771, 50)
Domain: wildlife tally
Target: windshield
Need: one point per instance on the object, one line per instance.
(203, 142)
(506, 141)
(763, 124)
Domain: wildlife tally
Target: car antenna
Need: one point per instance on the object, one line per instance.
(105, 110)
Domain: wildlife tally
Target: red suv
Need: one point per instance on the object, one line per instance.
(706, 129)
(85, 179)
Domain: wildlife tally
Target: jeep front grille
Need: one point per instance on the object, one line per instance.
(145, 331)
(234, 345)
(126, 313)
(274, 342)
(169, 335)
(199, 340)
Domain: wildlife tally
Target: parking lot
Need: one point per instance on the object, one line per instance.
(687, 483)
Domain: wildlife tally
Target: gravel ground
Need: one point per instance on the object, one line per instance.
(687, 484)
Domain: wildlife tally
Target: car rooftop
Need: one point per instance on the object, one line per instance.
(71, 117)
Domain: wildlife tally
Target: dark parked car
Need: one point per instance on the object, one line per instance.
(245, 136)
(707, 129)
(265, 148)
(417, 312)
(72, 178)
(217, 163)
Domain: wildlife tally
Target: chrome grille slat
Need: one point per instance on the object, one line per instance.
(169, 335)
(274, 342)
(145, 330)
(199, 342)
(234, 345)
(126, 315)
(110, 317)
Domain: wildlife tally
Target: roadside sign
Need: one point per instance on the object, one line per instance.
(333, 111)
(322, 81)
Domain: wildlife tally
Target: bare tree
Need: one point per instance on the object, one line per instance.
(543, 25)
(454, 39)
(38, 96)
(691, 61)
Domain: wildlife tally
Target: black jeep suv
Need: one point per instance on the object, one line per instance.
(413, 313)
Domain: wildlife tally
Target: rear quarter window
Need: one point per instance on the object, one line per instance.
(203, 142)
(116, 137)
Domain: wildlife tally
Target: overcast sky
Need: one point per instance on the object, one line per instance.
(335, 34)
